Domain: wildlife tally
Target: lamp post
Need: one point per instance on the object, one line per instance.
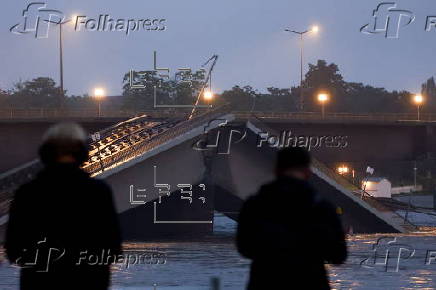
(99, 94)
(418, 100)
(61, 59)
(314, 29)
(322, 99)
(208, 97)
(61, 62)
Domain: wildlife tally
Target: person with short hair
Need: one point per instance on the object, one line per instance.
(63, 228)
(289, 231)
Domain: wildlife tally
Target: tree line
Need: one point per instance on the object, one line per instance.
(350, 97)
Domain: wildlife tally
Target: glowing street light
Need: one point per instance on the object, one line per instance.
(313, 29)
(418, 100)
(99, 95)
(322, 99)
(74, 18)
(99, 92)
(343, 169)
(208, 96)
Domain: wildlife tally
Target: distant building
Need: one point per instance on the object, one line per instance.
(377, 187)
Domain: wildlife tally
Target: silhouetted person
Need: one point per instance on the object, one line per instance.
(63, 228)
(288, 231)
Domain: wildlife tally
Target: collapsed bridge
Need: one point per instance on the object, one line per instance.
(170, 176)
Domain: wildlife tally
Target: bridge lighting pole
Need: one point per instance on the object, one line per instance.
(322, 99)
(61, 59)
(314, 29)
(418, 100)
(99, 94)
(61, 62)
(208, 96)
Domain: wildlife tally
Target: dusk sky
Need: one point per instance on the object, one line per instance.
(247, 35)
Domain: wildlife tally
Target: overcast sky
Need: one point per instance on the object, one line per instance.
(247, 35)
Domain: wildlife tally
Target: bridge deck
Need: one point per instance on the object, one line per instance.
(129, 144)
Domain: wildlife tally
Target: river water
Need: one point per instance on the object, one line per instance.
(410, 263)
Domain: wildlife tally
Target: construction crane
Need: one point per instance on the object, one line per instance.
(207, 81)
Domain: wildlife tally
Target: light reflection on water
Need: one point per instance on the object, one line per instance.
(191, 265)
(414, 272)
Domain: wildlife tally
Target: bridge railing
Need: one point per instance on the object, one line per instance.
(57, 113)
(364, 195)
(23, 114)
(384, 117)
(12, 114)
(13, 178)
(339, 179)
(10, 180)
(148, 144)
(333, 175)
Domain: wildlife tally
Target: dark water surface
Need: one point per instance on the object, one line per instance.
(191, 265)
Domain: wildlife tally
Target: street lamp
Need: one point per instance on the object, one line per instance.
(313, 29)
(322, 99)
(74, 19)
(99, 94)
(418, 100)
(208, 97)
(343, 169)
(61, 58)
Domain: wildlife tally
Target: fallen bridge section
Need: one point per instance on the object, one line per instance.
(170, 181)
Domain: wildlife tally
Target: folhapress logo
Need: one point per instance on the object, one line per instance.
(223, 138)
(108, 23)
(37, 19)
(389, 20)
